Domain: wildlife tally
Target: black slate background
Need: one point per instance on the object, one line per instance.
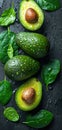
(52, 100)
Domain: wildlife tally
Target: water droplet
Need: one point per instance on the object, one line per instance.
(49, 69)
(49, 100)
(14, 90)
(17, 73)
(17, 20)
(50, 87)
(55, 102)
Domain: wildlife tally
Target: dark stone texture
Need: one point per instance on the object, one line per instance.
(52, 100)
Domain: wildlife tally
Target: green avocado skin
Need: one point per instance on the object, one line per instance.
(21, 67)
(34, 44)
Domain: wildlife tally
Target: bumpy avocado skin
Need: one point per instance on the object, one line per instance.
(21, 67)
(24, 5)
(37, 86)
(34, 44)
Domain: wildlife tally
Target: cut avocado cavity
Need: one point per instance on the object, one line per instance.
(30, 15)
(29, 95)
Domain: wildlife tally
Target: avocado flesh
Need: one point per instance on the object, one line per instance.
(34, 44)
(24, 5)
(37, 86)
(21, 67)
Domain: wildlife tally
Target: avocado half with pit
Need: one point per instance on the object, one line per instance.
(29, 95)
(30, 15)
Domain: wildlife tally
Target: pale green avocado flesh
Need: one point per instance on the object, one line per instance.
(37, 86)
(24, 5)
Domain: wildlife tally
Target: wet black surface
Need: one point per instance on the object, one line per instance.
(52, 100)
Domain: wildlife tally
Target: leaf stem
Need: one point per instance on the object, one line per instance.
(5, 77)
(47, 87)
(12, 4)
(8, 29)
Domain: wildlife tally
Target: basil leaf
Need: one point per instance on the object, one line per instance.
(50, 71)
(5, 92)
(8, 17)
(40, 120)
(49, 5)
(7, 39)
(11, 114)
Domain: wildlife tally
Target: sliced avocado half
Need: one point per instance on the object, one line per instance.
(36, 85)
(30, 15)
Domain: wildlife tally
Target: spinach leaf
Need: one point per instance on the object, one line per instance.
(50, 71)
(8, 46)
(8, 17)
(40, 120)
(49, 5)
(5, 92)
(11, 114)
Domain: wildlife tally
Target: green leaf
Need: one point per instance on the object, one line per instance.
(8, 46)
(11, 114)
(8, 17)
(5, 92)
(40, 120)
(50, 71)
(49, 5)
(10, 51)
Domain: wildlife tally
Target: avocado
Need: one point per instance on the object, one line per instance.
(34, 44)
(30, 89)
(21, 67)
(30, 15)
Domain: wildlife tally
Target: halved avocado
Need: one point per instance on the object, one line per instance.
(30, 15)
(32, 84)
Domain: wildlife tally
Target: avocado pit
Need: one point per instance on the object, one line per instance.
(31, 16)
(28, 95)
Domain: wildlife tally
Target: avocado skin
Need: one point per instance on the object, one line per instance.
(21, 67)
(37, 86)
(34, 44)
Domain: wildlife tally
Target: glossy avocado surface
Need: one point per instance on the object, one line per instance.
(34, 44)
(21, 67)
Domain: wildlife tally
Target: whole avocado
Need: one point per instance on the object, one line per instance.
(34, 44)
(21, 67)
